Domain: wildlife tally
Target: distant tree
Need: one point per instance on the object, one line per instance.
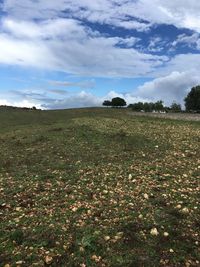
(158, 106)
(175, 107)
(192, 100)
(137, 106)
(147, 107)
(107, 103)
(34, 108)
(130, 106)
(118, 102)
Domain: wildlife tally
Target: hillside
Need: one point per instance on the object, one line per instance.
(98, 187)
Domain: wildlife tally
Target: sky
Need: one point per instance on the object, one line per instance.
(77, 53)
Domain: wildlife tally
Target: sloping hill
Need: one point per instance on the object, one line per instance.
(98, 187)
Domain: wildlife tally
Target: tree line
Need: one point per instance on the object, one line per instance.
(4, 107)
(192, 103)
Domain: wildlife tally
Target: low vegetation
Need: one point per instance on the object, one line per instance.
(98, 187)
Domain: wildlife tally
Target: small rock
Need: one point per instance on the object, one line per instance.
(185, 210)
(18, 209)
(130, 176)
(19, 262)
(81, 249)
(107, 237)
(154, 231)
(48, 260)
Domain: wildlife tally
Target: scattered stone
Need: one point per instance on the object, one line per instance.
(19, 262)
(185, 210)
(48, 260)
(154, 232)
(107, 237)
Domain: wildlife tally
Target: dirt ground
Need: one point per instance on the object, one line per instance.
(174, 116)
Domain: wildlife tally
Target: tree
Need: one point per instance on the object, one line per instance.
(158, 106)
(192, 100)
(149, 107)
(107, 103)
(175, 107)
(137, 106)
(118, 102)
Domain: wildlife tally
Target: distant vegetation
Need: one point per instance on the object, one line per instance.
(192, 104)
(148, 107)
(192, 101)
(4, 107)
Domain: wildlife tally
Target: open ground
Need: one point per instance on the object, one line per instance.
(98, 187)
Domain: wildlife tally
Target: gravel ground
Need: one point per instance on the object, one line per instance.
(174, 116)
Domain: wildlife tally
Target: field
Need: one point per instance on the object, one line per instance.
(98, 187)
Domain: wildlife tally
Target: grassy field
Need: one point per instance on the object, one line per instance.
(98, 187)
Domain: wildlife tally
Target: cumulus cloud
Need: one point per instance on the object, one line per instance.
(140, 14)
(81, 99)
(85, 99)
(22, 103)
(180, 63)
(60, 99)
(69, 46)
(173, 87)
(58, 40)
(54, 35)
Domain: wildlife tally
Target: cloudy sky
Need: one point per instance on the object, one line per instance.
(76, 53)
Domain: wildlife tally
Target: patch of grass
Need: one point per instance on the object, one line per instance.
(17, 236)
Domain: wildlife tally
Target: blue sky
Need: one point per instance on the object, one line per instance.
(76, 53)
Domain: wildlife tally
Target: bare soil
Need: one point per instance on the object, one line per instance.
(174, 116)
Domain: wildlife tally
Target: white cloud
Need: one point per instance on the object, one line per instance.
(73, 48)
(61, 100)
(181, 63)
(49, 28)
(65, 44)
(189, 40)
(84, 99)
(24, 53)
(181, 13)
(21, 103)
(49, 34)
(81, 99)
(173, 87)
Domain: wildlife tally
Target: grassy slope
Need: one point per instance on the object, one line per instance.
(87, 186)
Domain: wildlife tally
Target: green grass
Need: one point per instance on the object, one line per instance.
(73, 185)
